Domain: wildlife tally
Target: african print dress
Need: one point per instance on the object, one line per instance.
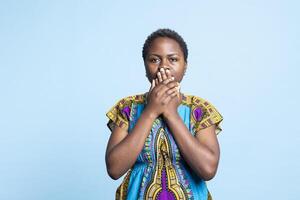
(160, 172)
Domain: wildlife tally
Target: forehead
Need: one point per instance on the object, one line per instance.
(165, 44)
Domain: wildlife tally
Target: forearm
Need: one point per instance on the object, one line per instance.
(123, 156)
(199, 157)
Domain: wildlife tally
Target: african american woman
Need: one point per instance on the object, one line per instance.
(163, 141)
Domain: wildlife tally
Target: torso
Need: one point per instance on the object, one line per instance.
(160, 171)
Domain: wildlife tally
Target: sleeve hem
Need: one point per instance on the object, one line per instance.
(209, 115)
(115, 121)
(209, 123)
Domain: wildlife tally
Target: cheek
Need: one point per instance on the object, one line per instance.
(178, 73)
(178, 70)
(151, 71)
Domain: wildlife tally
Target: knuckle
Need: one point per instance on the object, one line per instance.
(172, 84)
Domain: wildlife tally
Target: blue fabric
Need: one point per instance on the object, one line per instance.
(198, 186)
(160, 162)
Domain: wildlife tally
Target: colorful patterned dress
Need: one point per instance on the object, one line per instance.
(160, 172)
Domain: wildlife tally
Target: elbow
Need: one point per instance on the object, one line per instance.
(209, 173)
(209, 170)
(113, 175)
(111, 170)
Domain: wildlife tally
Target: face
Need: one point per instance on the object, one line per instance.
(165, 53)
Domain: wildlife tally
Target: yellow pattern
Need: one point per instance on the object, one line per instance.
(121, 192)
(209, 116)
(163, 161)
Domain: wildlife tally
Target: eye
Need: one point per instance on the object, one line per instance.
(173, 59)
(153, 60)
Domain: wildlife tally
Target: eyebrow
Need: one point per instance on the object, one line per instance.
(171, 54)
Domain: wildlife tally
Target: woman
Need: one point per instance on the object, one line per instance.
(164, 140)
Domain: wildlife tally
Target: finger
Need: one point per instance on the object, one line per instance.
(159, 77)
(169, 75)
(163, 74)
(152, 85)
(168, 98)
(175, 94)
(179, 87)
(162, 89)
(168, 80)
(156, 81)
(172, 90)
(172, 84)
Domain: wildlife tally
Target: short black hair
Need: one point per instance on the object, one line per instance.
(165, 32)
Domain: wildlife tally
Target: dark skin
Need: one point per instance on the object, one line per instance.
(165, 68)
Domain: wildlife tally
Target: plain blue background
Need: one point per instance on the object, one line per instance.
(63, 64)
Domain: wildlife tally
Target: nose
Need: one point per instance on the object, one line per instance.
(164, 66)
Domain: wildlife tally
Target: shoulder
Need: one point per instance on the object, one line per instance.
(197, 101)
(200, 107)
(203, 112)
(119, 113)
(135, 98)
(124, 104)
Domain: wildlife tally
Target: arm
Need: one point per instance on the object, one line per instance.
(123, 148)
(201, 152)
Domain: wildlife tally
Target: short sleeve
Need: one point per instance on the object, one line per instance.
(119, 114)
(205, 114)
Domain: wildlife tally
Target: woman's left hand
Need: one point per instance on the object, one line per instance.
(171, 107)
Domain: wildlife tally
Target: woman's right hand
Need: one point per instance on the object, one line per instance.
(158, 97)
